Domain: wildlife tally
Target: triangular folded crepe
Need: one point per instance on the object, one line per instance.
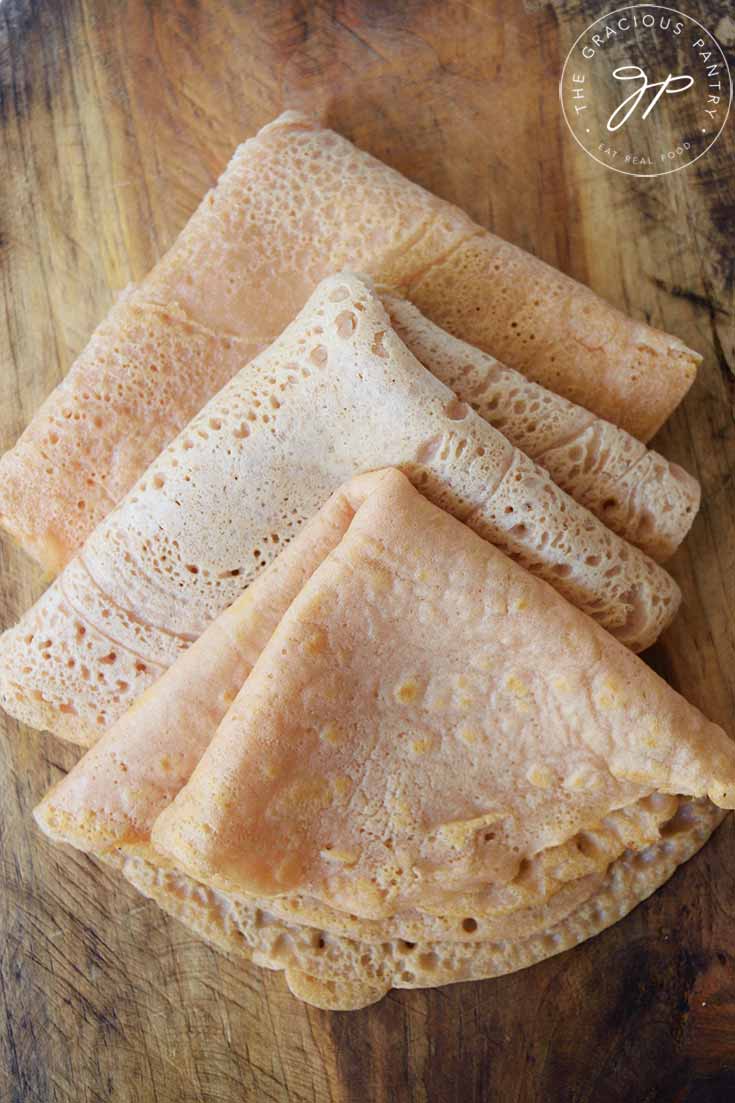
(301, 202)
(636, 492)
(338, 393)
(297, 203)
(428, 719)
(113, 796)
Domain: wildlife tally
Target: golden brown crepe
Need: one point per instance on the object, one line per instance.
(296, 203)
(380, 534)
(338, 393)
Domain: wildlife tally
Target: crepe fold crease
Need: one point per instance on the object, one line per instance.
(338, 393)
(297, 203)
(406, 787)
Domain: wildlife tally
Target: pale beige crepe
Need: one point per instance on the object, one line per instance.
(109, 801)
(636, 492)
(426, 720)
(297, 203)
(338, 393)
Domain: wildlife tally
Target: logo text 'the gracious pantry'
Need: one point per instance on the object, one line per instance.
(646, 90)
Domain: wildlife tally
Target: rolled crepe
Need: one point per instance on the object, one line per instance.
(338, 393)
(296, 203)
(490, 610)
(636, 492)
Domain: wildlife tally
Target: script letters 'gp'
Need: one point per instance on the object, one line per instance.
(669, 86)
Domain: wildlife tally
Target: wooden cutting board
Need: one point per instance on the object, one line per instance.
(114, 118)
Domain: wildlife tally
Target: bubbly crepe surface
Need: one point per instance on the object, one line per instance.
(592, 823)
(336, 394)
(396, 736)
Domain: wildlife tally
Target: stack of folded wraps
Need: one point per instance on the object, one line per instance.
(346, 608)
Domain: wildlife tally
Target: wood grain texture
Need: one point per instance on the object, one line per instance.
(115, 116)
